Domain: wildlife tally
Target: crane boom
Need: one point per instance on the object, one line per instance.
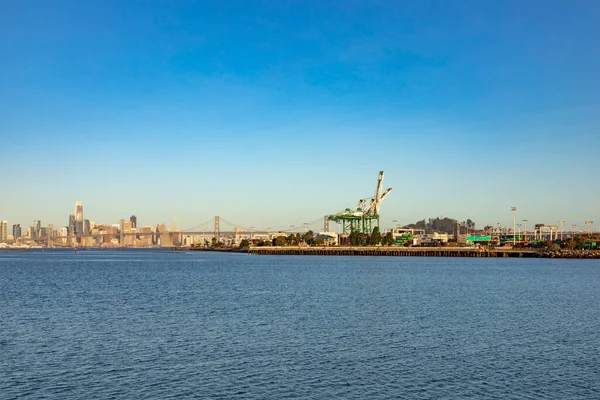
(383, 196)
(379, 184)
(376, 201)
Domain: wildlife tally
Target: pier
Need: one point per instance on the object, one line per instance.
(393, 251)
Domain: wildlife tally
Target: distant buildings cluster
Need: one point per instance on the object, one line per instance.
(81, 232)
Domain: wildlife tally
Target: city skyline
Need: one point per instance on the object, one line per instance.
(76, 223)
(276, 115)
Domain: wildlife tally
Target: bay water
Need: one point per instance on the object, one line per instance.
(159, 325)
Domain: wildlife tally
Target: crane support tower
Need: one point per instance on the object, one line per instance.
(365, 216)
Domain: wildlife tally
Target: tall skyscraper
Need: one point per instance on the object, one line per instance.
(87, 229)
(3, 231)
(78, 211)
(17, 231)
(133, 220)
(71, 225)
(37, 225)
(79, 219)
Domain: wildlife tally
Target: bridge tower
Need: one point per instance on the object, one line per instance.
(217, 227)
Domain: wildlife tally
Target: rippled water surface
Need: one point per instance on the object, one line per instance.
(159, 325)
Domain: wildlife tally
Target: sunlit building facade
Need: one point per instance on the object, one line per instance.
(3, 231)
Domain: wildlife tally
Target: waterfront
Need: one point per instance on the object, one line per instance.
(399, 251)
(156, 324)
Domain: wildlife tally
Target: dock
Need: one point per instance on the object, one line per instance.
(393, 251)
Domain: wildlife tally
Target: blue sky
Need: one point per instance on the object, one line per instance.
(277, 113)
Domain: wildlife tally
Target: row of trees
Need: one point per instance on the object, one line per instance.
(576, 243)
(357, 238)
(293, 239)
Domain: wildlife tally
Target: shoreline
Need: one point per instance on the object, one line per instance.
(424, 252)
(362, 251)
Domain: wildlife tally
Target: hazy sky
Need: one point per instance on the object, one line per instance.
(276, 113)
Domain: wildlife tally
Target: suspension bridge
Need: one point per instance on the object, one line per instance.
(219, 227)
(216, 227)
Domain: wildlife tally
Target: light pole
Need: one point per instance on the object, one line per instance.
(251, 228)
(525, 230)
(573, 226)
(560, 227)
(519, 233)
(589, 224)
(514, 211)
(498, 231)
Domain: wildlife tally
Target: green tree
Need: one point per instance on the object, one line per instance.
(357, 238)
(470, 224)
(319, 241)
(267, 243)
(388, 239)
(309, 238)
(547, 244)
(280, 241)
(375, 237)
(245, 243)
(579, 242)
(293, 239)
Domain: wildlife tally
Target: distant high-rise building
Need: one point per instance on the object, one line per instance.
(165, 239)
(37, 225)
(79, 219)
(78, 211)
(87, 229)
(133, 220)
(127, 237)
(125, 225)
(3, 231)
(17, 231)
(71, 225)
